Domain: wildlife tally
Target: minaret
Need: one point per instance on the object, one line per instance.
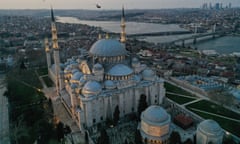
(55, 53)
(47, 50)
(123, 26)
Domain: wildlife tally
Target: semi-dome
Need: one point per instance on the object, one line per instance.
(91, 88)
(155, 115)
(120, 70)
(108, 48)
(109, 84)
(210, 127)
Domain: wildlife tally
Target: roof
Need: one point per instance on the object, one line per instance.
(108, 48)
(210, 127)
(155, 115)
(91, 88)
(183, 121)
(77, 75)
(109, 84)
(120, 70)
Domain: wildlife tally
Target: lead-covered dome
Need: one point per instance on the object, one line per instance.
(148, 74)
(109, 84)
(120, 70)
(91, 88)
(108, 48)
(210, 127)
(155, 115)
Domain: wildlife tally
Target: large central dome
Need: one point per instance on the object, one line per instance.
(108, 48)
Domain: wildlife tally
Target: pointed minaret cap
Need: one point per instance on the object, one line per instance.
(52, 15)
(123, 25)
(123, 14)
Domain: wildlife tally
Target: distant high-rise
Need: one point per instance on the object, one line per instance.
(230, 5)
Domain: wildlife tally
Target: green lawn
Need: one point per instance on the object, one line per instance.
(179, 99)
(47, 81)
(214, 108)
(27, 76)
(228, 125)
(174, 89)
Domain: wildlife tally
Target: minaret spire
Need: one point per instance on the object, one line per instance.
(123, 26)
(52, 15)
(55, 53)
(47, 50)
(54, 31)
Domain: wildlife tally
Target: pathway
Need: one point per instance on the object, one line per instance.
(221, 116)
(197, 100)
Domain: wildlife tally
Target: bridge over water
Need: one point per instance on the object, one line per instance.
(160, 33)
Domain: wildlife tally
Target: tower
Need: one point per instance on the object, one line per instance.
(55, 52)
(123, 26)
(47, 50)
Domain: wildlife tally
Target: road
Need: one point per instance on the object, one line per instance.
(4, 118)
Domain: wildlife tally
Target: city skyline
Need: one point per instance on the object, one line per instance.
(109, 4)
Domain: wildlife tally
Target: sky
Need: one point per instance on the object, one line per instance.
(109, 4)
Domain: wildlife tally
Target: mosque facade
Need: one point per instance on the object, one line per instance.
(93, 85)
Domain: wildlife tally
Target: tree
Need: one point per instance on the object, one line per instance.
(228, 140)
(126, 142)
(103, 139)
(60, 131)
(175, 138)
(142, 105)
(116, 115)
(18, 131)
(86, 137)
(138, 137)
(188, 141)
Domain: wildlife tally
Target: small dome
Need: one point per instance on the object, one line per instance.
(77, 75)
(120, 70)
(109, 84)
(97, 67)
(135, 60)
(148, 74)
(73, 86)
(91, 88)
(155, 115)
(210, 127)
(108, 48)
(67, 69)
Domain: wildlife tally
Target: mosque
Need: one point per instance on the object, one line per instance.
(93, 85)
